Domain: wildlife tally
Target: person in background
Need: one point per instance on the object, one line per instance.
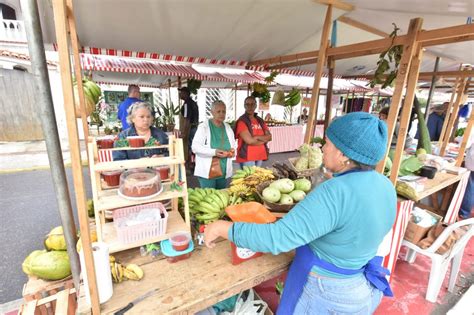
(268, 117)
(303, 118)
(435, 121)
(336, 230)
(383, 115)
(467, 205)
(140, 119)
(189, 120)
(133, 97)
(214, 138)
(252, 136)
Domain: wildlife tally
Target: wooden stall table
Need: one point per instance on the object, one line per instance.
(191, 285)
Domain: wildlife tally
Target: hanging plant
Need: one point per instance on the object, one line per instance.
(392, 55)
(260, 90)
(193, 85)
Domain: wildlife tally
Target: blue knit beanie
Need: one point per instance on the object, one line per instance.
(359, 136)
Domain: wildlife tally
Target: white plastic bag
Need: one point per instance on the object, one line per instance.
(247, 305)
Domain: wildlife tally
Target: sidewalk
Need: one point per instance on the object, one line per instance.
(30, 156)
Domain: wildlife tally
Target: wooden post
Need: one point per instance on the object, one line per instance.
(77, 70)
(406, 112)
(400, 80)
(60, 22)
(452, 117)
(450, 107)
(327, 116)
(235, 102)
(313, 105)
(346, 103)
(465, 139)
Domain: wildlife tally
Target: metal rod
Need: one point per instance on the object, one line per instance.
(50, 130)
(432, 88)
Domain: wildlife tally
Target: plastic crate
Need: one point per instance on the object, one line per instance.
(143, 231)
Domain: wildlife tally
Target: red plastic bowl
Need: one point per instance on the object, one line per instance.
(180, 241)
(136, 141)
(112, 178)
(105, 143)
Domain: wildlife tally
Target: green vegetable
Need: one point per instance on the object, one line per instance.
(120, 143)
(151, 142)
(409, 166)
(302, 184)
(52, 265)
(460, 132)
(271, 194)
(297, 195)
(424, 141)
(286, 199)
(388, 167)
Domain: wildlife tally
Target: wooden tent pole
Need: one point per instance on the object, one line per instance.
(77, 71)
(60, 22)
(465, 139)
(452, 117)
(313, 105)
(406, 112)
(450, 107)
(400, 80)
(235, 102)
(432, 88)
(327, 116)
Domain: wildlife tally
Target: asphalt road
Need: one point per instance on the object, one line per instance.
(28, 211)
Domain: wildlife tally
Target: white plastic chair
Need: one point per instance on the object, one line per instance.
(440, 263)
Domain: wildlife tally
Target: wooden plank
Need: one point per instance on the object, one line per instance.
(465, 138)
(428, 75)
(60, 22)
(327, 116)
(196, 283)
(109, 199)
(450, 107)
(62, 302)
(362, 26)
(337, 4)
(313, 105)
(446, 33)
(408, 51)
(77, 69)
(293, 64)
(452, 117)
(406, 112)
(30, 308)
(164, 146)
(138, 163)
(175, 224)
(285, 58)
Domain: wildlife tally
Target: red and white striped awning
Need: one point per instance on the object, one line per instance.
(246, 77)
(114, 64)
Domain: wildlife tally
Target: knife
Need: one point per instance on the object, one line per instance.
(135, 301)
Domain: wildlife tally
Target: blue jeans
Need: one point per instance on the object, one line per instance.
(468, 200)
(338, 296)
(251, 163)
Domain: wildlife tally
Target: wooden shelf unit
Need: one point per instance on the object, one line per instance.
(108, 199)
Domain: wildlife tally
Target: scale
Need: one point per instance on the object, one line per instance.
(240, 254)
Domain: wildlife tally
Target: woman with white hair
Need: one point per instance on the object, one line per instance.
(140, 118)
(214, 139)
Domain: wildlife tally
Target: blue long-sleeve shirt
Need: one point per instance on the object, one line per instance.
(156, 133)
(122, 110)
(343, 220)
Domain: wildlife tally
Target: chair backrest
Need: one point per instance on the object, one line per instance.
(447, 232)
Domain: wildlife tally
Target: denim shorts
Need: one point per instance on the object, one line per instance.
(251, 163)
(333, 296)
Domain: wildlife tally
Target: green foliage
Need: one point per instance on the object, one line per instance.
(392, 55)
(166, 113)
(193, 85)
(460, 132)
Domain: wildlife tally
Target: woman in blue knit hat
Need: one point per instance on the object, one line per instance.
(336, 230)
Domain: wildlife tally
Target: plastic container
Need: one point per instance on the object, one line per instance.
(173, 256)
(136, 141)
(112, 178)
(428, 171)
(137, 232)
(137, 184)
(180, 241)
(164, 172)
(105, 143)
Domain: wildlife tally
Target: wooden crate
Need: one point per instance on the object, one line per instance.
(63, 302)
(43, 297)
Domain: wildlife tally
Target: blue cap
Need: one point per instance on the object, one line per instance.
(359, 136)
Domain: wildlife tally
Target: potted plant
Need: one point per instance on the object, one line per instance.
(166, 116)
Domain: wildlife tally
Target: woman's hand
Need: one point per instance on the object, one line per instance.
(214, 230)
(221, 153)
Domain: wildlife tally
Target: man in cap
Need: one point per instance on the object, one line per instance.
(189, 120)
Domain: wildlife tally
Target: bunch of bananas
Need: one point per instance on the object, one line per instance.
(208, 204)
(245, 181)
(121, 273)
(293, 98)
(92, 93)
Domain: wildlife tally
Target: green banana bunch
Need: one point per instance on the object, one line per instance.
(207, 205)
(246, 171)
(92, 94)
(293, 98)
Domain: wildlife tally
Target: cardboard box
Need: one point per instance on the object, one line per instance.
(415, 233)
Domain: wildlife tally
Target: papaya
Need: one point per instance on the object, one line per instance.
(52, 265)
(55, 239)
(26, 265)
